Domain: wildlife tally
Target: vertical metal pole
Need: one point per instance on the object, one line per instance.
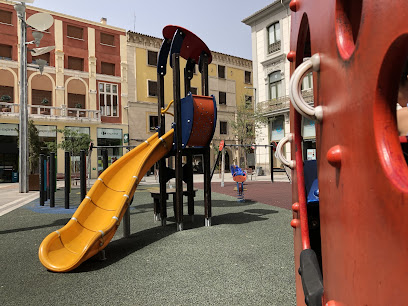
(52, 179)
(207, 167)
(23, 131)
(179, 154)
(222, 167)
(42, 187)
(82, 174)
(190, 185)
(162, 162)
(104, 159)
(271, 152)
(48, 178)
(67, 178)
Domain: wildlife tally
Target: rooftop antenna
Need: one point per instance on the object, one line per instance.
(134, 21)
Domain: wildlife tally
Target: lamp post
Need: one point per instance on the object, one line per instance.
(40, 25)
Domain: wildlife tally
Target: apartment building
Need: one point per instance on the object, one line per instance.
(230, 81)
(270, 35)
(84, 87)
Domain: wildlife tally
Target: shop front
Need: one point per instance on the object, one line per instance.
(309, 139)
(112, 141)
(8, 152)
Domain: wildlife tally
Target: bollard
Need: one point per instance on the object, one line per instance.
(67, 178)
(42, 177)
(52, 179)
(104, 159)
(48, 177)
(82, 174)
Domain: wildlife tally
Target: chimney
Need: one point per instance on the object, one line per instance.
(104, 20)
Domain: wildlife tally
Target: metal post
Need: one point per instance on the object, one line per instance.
(204, 76)
(48, 178)
(42, 185)
(271, 152)
(52, 179)
(207, 187)
(23, 128)
(162, 162)
(222, 167)
(190, 185)
(104, 159)
(179, 154)
(67, 178)
(82, 174)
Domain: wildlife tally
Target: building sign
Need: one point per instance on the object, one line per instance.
(78, 129)
(311, 154)
(126, 138)
(49, 131)
(110, 133)
(7, 129)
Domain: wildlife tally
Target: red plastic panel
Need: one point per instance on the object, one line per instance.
(192, 44)
(363, 45)
(203, 123)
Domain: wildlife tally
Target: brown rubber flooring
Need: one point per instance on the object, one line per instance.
(276, 194)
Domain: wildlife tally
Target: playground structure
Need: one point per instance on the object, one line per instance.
(97, 218)
(350, 244)
(239, 177)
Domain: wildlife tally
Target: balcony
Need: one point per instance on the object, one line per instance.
(283, 103)
(274, 47)
(51, 112)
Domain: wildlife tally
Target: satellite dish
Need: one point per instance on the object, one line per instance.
(41, 51)
(40, 21)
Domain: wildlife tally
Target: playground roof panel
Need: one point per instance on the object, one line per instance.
(192, 44)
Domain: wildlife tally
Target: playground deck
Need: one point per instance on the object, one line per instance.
(245, 258)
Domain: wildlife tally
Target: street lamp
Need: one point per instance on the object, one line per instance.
(39, 22)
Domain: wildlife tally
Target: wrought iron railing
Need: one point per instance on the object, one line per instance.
(276, 46)
(284, 102)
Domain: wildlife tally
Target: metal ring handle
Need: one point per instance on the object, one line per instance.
(288, 138)
(295, 92)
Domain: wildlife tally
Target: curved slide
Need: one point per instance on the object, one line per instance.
(97, 218)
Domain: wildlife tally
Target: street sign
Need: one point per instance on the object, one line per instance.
(222, 143)
(125, 138)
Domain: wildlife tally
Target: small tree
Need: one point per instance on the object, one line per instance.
(247, 121)
(34, 147)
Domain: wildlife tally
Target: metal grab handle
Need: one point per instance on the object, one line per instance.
(295, 92)
(291, 164)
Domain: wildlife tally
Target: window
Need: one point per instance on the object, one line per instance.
(153, 123)
(221, 72)
(75, 63)
(248, 77)
(5, 51)
(194, 90)
(275, 85)
(107, 68)
(75, 32)
(152, 58)
(274, 39)
(152, 88)
(277, 128)
(5, 17)
(108, 99)
(223, 127)
(43, 98)
(248, 101)
(107, 39)
(222, 98)
(307, 82)
(76, 101)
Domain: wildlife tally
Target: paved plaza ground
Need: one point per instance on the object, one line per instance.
(244, 258)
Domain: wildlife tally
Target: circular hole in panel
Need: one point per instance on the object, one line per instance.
(391, 113)
(348, 19)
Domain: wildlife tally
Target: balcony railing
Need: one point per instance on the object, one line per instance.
(284, 102)
(276, 46)
(12, 109)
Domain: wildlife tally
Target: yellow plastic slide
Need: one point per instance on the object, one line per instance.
(97, 218)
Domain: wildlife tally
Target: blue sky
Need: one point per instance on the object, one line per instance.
(217, 23)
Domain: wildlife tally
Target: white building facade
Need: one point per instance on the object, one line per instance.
(270, 35)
